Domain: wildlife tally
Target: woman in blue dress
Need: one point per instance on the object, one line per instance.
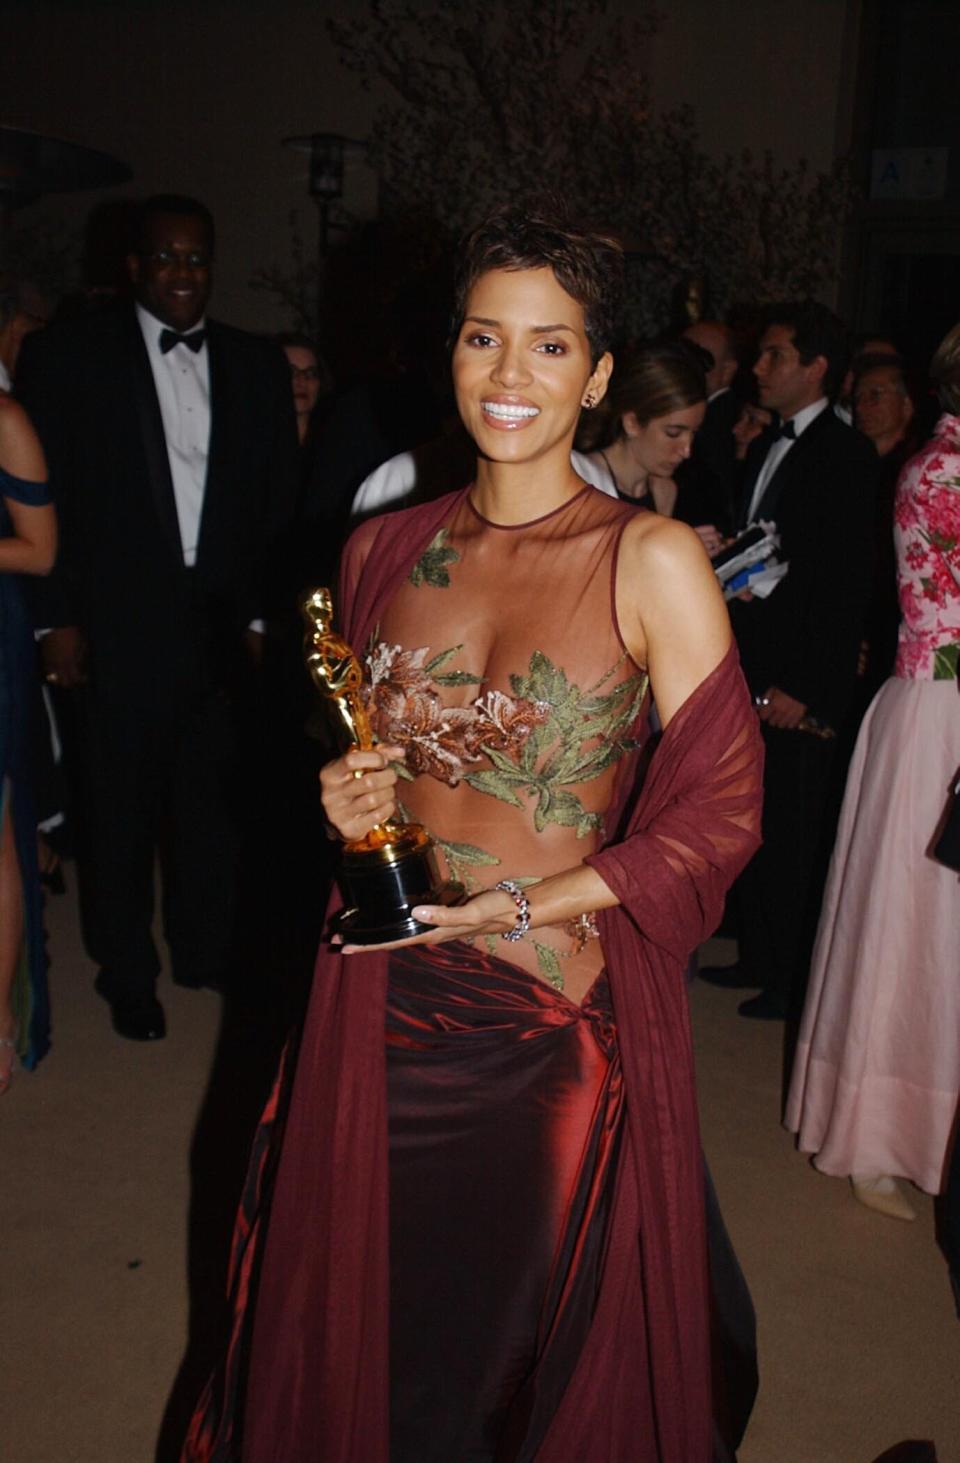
(28, 543)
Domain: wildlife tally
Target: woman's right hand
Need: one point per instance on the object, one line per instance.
(357, 790)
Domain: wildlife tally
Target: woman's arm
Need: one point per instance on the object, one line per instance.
(670, 609)
(32, 547)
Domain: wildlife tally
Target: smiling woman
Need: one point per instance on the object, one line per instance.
(483, 1136)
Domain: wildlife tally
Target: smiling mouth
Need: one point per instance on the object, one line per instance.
(510, 414)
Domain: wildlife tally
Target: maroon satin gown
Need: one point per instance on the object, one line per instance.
(478, 1232)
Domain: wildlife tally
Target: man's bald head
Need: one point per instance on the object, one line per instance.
(718, 340)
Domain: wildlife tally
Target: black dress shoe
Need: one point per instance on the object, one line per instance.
(729, 977)
(140, 1023)
(141, 1020)
(765, 1007)
(193, 980)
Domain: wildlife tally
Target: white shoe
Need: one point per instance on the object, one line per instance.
(885, 1195)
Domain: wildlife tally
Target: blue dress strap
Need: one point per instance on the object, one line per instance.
(34, 495)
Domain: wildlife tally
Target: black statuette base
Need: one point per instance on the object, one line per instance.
(380, 892)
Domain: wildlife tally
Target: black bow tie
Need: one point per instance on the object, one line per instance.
(787, 429)
(170, 338)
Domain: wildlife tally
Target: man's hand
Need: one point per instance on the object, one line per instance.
(711, 538)
(63, 655)
(778, 709)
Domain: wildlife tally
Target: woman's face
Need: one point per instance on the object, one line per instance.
(659, 446)
(304, 377)
(521, 365)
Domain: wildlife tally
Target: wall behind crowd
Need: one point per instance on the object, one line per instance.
(196, 97)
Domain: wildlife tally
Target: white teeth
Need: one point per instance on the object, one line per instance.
(510, 413)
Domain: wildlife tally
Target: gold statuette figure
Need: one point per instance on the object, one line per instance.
(393, 867)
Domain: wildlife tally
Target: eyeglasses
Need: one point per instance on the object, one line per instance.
(169, 258)
(876, 394)
(304, 373)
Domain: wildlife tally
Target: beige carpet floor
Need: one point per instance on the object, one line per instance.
(859, 1343)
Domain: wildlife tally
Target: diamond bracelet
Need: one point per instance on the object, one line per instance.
(511, 887)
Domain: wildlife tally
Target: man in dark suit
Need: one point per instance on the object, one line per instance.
(711, 472)
(816, 479)
(172, 450)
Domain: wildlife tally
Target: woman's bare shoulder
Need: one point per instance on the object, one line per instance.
(658, 544)
(12, 415)
(20, 452)
(668, 583)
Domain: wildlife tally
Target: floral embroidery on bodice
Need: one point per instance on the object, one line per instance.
(499, 668)
(927, 537)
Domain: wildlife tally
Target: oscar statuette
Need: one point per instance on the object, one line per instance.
(393, 867)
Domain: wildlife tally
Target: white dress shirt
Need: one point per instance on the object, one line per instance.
(779, 449)
(394, 481)
(182, 379)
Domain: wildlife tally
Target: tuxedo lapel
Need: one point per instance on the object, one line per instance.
(756, 457)
(151, 434)
(223, 396)
(792, 468)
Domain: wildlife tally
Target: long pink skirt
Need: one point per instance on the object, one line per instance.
(877, 1073)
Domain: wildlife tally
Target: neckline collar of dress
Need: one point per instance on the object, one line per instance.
(530, 522)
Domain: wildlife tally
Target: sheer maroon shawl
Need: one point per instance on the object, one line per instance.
(318, 1364)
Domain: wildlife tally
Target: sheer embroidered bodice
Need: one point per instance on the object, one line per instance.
(499, 666)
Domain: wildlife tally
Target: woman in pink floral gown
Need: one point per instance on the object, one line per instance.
(877, 1074)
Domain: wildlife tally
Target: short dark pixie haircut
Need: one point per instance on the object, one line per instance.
(588, 266)
(178, 204)
(817, 331)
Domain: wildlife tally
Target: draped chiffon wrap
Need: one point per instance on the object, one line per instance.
(307, 1372)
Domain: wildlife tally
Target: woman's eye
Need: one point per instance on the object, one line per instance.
(552, 348)
(479, 339)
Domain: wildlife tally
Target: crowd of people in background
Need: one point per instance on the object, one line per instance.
(205, 477)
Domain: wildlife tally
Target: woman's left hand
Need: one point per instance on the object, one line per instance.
(491, 913)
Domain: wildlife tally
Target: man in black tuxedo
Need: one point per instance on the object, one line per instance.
(816, 479)
(172, 450)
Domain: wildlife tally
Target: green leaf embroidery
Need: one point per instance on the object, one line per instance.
(495, 785)
(458, 678)
(430, 568)
(549, 962)
(450, 678)
(462, 858)
(441, 659)
(945, 662)
(584, 735)
(467, 853)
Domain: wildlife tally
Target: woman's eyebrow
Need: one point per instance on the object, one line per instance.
(534, 329)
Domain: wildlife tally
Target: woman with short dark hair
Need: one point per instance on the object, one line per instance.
(486, 1234)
